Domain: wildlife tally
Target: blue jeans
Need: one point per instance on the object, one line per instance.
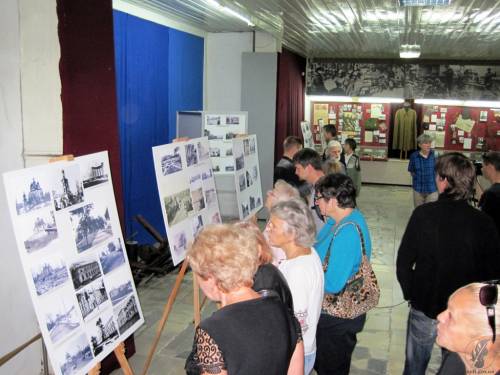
(420, 337)
(309, 363)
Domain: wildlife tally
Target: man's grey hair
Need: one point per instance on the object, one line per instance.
(298, 220)
(424, 138)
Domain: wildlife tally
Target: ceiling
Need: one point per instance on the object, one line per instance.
(359, 29)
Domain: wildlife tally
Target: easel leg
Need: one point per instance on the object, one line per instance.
(120, 355)
(166, 313)
(196, 302)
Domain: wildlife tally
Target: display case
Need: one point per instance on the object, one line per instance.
(471, 130)
(367, 123)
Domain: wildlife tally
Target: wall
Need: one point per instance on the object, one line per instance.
(18, 323)
(40, 83)
(223, 70)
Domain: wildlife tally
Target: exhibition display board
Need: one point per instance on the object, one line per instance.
(367, 123)
(466, 129)
(221, 128)
(187, 192)
(247, 176)
(72, 250)
(307, 134)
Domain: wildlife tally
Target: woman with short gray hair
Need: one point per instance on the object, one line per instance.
(421, 168)
(291, 227)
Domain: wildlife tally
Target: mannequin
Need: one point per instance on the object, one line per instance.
(405, 129)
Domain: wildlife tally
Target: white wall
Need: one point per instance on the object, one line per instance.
(40, 82)
(223, 70)
(18, 323)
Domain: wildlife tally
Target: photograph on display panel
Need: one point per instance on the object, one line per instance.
(247, 178)
(59, 221)
(190, 199)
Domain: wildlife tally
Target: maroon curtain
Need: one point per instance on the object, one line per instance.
(88, 94)
(289, 99)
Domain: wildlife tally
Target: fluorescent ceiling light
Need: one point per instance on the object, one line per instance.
(409, 51)
(351, 99)
(421, 3)
(440, 102)
(233, 13)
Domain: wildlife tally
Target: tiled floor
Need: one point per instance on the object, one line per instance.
(381, 345)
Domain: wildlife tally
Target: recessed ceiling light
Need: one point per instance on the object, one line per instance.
(409, 51)
(422, 3)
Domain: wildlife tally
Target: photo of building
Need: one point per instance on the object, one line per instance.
(84, 272)
(127, 314)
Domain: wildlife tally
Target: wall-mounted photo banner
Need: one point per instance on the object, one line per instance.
(221, 128)
(186, 186)
(72, 250)
(247, 176)
(399, 80)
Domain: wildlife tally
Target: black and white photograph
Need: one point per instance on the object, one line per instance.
(195, 179)
(206, 174)
(180, 243)
(213, 120)
(102, 331)
(198, 200)
(43, 230)
(171, 163)
(242, 181)
(91, 297)
(84, 272)
(49, 274)
(255, 173)
(214, 152)
(252, 203)
(203, 151)
(197, 225)
(93, 173)
(229, 168)
(61, 317)
(216, 218)
(75, 356)
(31, 195)
(240, 161)
(91, 225)
(249, 179)
(232, 120)
(210, 197)
(229, 151)
(252, 145)
(259, 202)
(212, 136)
(127, 314)
(245, 210)
(246, 147)
(231, 135)
(191, 155)
(216, 168)
(178, 207)
(111, 256)
(68, 189)
(119, 292)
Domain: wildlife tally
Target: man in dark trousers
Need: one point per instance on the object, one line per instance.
(285, 169)
(490, 199)
(446, 245)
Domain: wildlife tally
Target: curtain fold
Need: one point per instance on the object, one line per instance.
(290, 98)
(157, 73)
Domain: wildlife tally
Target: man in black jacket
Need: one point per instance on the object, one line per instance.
(447, 244)
(490, 200)
(285, 169)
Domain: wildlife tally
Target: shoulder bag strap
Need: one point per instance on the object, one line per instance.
(336, 229)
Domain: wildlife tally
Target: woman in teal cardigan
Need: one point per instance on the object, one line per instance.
(336, 337)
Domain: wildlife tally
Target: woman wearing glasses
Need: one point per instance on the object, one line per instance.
(468, 328)
(340, 238)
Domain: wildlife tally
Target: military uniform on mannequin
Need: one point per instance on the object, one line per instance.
(405, 129)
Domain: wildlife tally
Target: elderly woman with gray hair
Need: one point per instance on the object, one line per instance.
(421, 168)
(291, 227)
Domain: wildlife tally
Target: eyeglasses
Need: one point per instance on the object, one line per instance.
(318, 197)
(488, 296)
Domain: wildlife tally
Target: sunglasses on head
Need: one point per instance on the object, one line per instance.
(488, 296)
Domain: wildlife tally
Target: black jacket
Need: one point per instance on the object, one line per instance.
(490, 203)
(447, 244)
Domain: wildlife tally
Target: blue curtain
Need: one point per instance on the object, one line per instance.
(159, 71)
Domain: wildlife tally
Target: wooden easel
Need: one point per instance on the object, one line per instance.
(168, 308)
(120, 349)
